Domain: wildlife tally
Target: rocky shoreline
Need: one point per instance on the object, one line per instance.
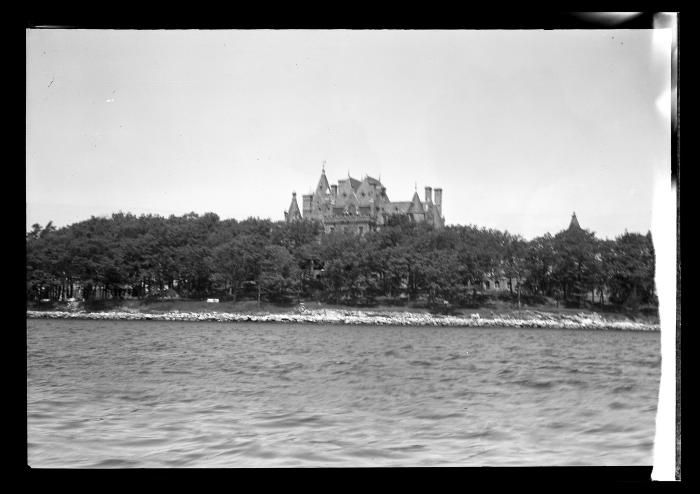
(533, 320)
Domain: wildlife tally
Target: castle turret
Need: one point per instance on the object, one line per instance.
(574, 223)
(293, 213)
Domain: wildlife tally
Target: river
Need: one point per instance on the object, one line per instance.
(111, 394)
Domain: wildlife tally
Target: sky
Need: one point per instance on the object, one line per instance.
(520, 128)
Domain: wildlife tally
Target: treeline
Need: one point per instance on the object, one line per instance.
(203, 256)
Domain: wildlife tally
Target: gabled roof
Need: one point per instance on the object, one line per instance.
(368, 192)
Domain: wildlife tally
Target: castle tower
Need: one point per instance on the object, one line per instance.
(438, 200)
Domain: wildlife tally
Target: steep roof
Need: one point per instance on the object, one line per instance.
(323, 187)
(416, 204)
(574, 223)
(294, 208)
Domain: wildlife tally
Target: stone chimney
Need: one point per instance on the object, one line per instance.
(334, 191)
(438, 200)
(429, 194)
(286, 216)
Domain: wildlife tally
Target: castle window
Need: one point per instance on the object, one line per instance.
(360, 230)
(363, 194)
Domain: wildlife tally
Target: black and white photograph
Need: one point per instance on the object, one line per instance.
(314, 248)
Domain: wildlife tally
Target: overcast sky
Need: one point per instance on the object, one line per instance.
(519, 128)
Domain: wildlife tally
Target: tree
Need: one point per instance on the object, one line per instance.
(575, 263)
(237, 261)
(630, 270)
(279, 279)
(515, 264)
(204, 255)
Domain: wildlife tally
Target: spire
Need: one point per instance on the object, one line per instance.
(323, 167)
(293, 213)
(574, 222)
(323, 187)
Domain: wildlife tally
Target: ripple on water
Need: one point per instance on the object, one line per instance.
(372, 453)
(608, 428)
(533, 383)
(314, 457)
(421, 363)
(144, 442)
(439, 416)
(295, 395)
(117, 463)
(558, 425)
(296, 421)
(617, 405)
(625, 388)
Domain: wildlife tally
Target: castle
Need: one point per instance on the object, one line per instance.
(359, 206)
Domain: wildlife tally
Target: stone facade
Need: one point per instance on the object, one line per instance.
(359, 206)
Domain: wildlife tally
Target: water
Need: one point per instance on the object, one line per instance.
(156, 394)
